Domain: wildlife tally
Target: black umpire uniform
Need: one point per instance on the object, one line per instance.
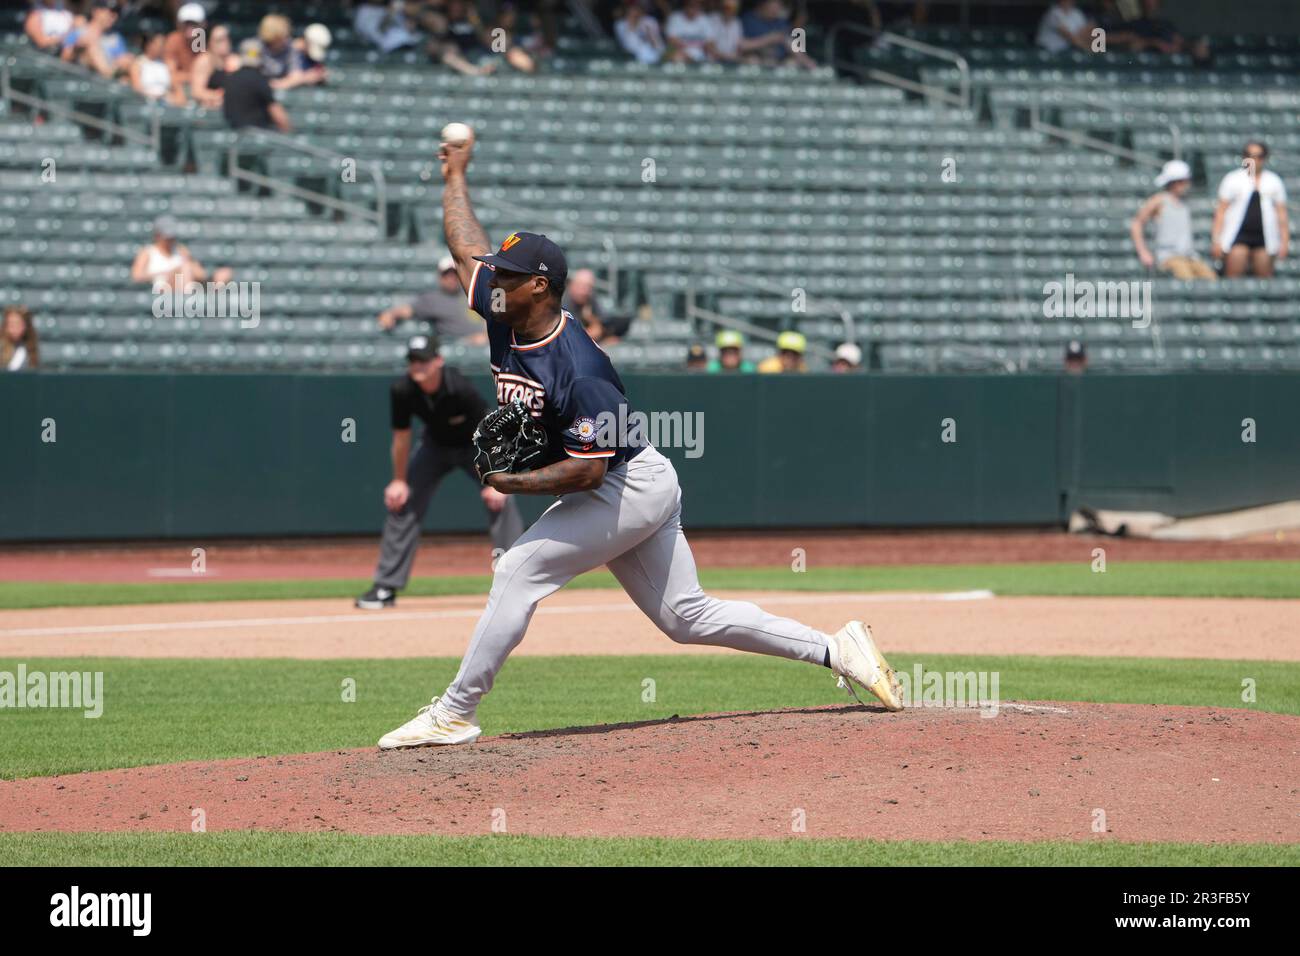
(450, 415)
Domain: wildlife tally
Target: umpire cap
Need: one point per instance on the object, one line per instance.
(421, 348)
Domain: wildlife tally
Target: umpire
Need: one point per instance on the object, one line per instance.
(450, 408)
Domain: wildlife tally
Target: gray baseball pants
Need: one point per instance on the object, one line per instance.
(631, 523)
(429, 464)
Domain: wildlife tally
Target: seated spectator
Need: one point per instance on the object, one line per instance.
(248, 99)
(444, 308)
(848, 358)
(387, 27)
(580, 300)
(1076, 358)
(282, 63)
(149, 74)
(1175, 250)
(96, 45)
(186, 43)
(443, 47)
(729, 343)
(19, 350)
(211, 61)
(729, 35)
(476, 45)
(166, 264)
(502, 38)
(767, 30)
(1251, 227)
(790, 347)
(691, 34)
(638, 34)
(48, 23)
(1160, 35)
(1064, 26)
(314, 45)
(697, 358)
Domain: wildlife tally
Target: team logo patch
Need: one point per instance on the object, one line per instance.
(510, 241)
(584, 429)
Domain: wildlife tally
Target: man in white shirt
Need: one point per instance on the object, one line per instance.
(690, 33)
(1063, 26)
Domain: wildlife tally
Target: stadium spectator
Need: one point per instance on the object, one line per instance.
(580, 299)
(186, 43)
(149, 74)
(691, 33)
(165, 263)
(96, 45)
(283, 62)
(1251, 227)
(248, 99)
(1175, 250)
(789, 357)
(1156, 34)
(768, 30)
(443, 48)
(729, 343)
(848, 358)
(1064, 26)
(502, 37)
(313, 45)
(47, 24)
(443, 307)
(697, 358)
(387, 27)
(19, 350)
(1076, 358)
(638, 33)
(729, 35)
(207, 63)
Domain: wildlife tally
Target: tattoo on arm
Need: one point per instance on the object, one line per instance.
(562, 477)
(465, 236)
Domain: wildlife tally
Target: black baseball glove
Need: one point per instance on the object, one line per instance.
(507, 440)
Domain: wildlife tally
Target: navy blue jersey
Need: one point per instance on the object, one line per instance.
(565, 380)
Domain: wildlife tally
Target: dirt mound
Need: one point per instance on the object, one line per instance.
(1033, 772)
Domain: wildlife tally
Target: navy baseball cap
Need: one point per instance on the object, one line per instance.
(531, 253)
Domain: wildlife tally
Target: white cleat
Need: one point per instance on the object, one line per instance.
(433, 725)
(855, 658)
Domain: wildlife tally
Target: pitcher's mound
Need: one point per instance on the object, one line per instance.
(1036, 771)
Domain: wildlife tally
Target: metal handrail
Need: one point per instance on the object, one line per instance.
(964, 99)
(153, 140)
(1036, 122)
(379, 215)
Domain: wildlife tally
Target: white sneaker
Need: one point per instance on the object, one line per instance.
(855, 657)
(434, 724)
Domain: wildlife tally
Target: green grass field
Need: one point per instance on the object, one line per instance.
(338, 849)
(161, 711)
(1264, 579)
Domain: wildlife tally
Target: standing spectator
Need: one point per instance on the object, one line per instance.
(281, 62)
(19, 350)
(385, 26)
(96, 45)
(1250, 222)
(247, 97)
(1063, 26)
(691, 33)
(150, 76)
(729, 343)
(48, 24)
(207, 63)
(790, 348)
(767, 31)
(580, 299)
(166, 263)
(450, 408)
(1175, 250)
(186, 43)
(444, 308)
(638, 33)
(848, 358)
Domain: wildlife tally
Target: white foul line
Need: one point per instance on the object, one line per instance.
(379, 617)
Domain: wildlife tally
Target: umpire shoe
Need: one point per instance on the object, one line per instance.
(434, 724)
(377, 598)
(856, 659)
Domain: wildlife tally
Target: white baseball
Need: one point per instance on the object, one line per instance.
(457, 134)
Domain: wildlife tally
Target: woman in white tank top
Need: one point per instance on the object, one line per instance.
(150, 76)
(165, 263)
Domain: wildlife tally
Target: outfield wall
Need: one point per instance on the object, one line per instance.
(182, 456)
